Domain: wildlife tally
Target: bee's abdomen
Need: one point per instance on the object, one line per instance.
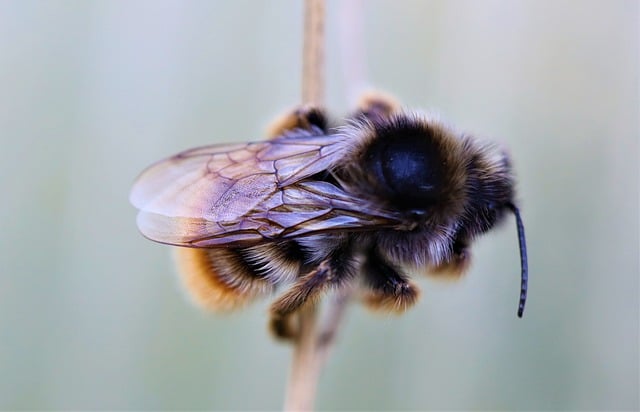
(223, 279)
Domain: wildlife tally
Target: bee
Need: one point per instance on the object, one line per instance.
(317, 208)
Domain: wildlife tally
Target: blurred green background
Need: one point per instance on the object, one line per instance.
(92, 315)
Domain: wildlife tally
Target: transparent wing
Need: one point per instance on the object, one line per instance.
(247, 193)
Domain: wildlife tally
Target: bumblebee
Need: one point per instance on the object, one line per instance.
(316, 208)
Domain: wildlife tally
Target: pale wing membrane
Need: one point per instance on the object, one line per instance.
(233, 194)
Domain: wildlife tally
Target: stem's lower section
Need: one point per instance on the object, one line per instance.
(311, 351)
(305, 368)
(313, 53)
(307, 358)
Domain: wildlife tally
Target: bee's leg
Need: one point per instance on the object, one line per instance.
(454, 267)
(308, 289)
(303, 117)
(376, 106)
(386, 289)
(284, 327)
(337, 270)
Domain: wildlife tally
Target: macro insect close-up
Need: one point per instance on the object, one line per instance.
(308, 205)
(321, 207)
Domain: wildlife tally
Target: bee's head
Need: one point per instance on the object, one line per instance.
(489, 188)
(490, 193)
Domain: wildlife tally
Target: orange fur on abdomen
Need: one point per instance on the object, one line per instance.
(218, 279)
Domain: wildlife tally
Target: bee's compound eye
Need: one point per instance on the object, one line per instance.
(412, 170)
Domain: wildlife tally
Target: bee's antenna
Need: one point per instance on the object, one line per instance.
(523, 259)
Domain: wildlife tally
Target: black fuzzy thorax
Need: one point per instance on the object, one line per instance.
(468, 185)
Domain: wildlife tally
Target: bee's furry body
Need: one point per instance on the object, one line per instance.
(389, 190)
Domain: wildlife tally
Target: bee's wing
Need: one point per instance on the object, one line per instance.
(246, 193)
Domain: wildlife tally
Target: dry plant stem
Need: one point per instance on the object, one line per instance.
(305, 370)
(312, 349)
(307, 364)
(313, 53)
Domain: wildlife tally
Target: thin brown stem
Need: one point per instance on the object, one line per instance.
(312, 349)
(305, 371)
(313, 53)
(306, 364)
